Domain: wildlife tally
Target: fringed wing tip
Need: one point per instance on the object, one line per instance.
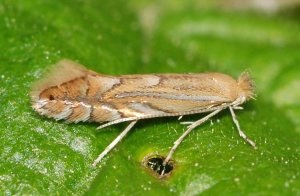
(246, 85)
(58, 73)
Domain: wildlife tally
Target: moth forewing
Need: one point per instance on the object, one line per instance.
(73, 93)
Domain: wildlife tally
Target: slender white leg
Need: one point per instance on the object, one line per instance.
(114, 143)
(241, 133)
(190, 128)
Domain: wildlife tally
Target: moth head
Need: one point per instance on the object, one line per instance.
(246, 86)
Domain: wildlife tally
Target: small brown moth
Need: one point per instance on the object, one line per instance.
(73, 93)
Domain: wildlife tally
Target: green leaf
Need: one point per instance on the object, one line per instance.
(42, 156)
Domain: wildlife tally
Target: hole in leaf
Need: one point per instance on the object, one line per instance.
(155, 163)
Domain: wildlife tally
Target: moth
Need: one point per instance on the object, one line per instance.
(75, 94)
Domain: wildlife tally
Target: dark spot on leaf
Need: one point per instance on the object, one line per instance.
(155, 163)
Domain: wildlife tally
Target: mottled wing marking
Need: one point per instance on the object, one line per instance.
(53, 109)
(171, 94)
(98, 85)
(63, 71)
(164, 95)
(144, 109)
(80, 112)
(104, 113)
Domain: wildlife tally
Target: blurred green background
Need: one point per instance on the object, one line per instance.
(42, 156)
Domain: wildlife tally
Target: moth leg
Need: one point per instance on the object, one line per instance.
(241, 133)
(114, 142)
(190, 128)
(187, 122)
(237, 108)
